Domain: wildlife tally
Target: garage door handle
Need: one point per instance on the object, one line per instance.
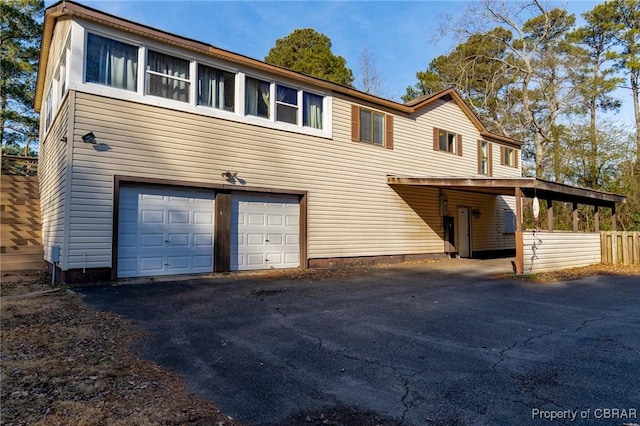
(267, 241)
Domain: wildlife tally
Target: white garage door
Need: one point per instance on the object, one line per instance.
(164, 231)
(265, 232)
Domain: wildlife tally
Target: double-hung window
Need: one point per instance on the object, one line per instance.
(312, 110)
(508, 157)
(167, 76)
(257, 97)
(485, 163)
(371, 127)
(446, 141)
(216, 88)
(286, 104)
(111, 62)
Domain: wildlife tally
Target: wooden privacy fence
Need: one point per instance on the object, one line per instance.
(17, 165)
(620, 247)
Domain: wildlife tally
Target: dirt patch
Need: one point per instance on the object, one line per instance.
(63, 363)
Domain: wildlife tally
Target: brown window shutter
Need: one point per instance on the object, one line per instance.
(490, 151)
(459, 140)
(388, 141)
(355, 123)
(479, 156)
(502, 155)
(516, 154)
(436, 138)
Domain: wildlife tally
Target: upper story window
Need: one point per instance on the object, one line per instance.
(111, 63)
(167, 76)
(508, 157)
(257, 97)
(372, 127)
(446, 141)
(216, 88)
(312, 110)
(48, 110)
(286, 104)
(485, 166)
(202, 86)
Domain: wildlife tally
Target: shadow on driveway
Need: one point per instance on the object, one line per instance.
(411, 344)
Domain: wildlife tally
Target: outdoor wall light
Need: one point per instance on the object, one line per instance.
(476, 213)
(229, 175)
(89, 138)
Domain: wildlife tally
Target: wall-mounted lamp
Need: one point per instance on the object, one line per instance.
(476, 213)
(89, 138)
(229, 175)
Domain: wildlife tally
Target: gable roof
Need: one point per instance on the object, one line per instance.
(65, 8)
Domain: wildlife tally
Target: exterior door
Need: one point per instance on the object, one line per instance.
(164, 231)
(265, 232)
(464, 231)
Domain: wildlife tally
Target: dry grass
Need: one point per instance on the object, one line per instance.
(582, 272)
(64, 363)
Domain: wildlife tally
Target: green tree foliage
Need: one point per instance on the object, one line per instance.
(309, 52)
(21, 28)
(627, 17)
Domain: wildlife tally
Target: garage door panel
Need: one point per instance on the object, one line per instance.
(151, 265)
(164, 231)
(203, 240)
(151, 241)
(264, 232)
(205, 262)
(178, 217)
(152, 216)
(178, 240)
(275, 239)
(203, 218)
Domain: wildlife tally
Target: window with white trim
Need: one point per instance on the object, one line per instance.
(286, 104)
(312, 110)
(167, 76)
(257, 97)
(111, 63)
(48, 110)
(201, 84)
(216, 88)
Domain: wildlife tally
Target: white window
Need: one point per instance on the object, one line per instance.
(312, 110)
(216, 88)
(257, 97)
(48, 111)
(286, 104)
(111, 63)
(167, 76)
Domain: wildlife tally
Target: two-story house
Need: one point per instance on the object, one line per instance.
(164, 155)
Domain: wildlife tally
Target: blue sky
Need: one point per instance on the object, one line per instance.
(398, 34)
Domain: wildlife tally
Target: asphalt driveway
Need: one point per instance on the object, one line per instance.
(414, 344)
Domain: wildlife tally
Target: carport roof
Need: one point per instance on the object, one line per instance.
(530, 187)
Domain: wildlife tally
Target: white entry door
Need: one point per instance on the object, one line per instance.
(464, 231)
(164, 231)
(265, 232)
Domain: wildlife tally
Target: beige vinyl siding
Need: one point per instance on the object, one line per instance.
(60, 34)
(351, 209)
(550, 251)
(487, 231)
(52, 177)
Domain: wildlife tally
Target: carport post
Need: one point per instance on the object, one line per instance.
(574, 213)
(596, 218)
(550, 215)
(519, 238)
(613, 217)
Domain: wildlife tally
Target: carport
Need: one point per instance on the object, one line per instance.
(524, 188)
